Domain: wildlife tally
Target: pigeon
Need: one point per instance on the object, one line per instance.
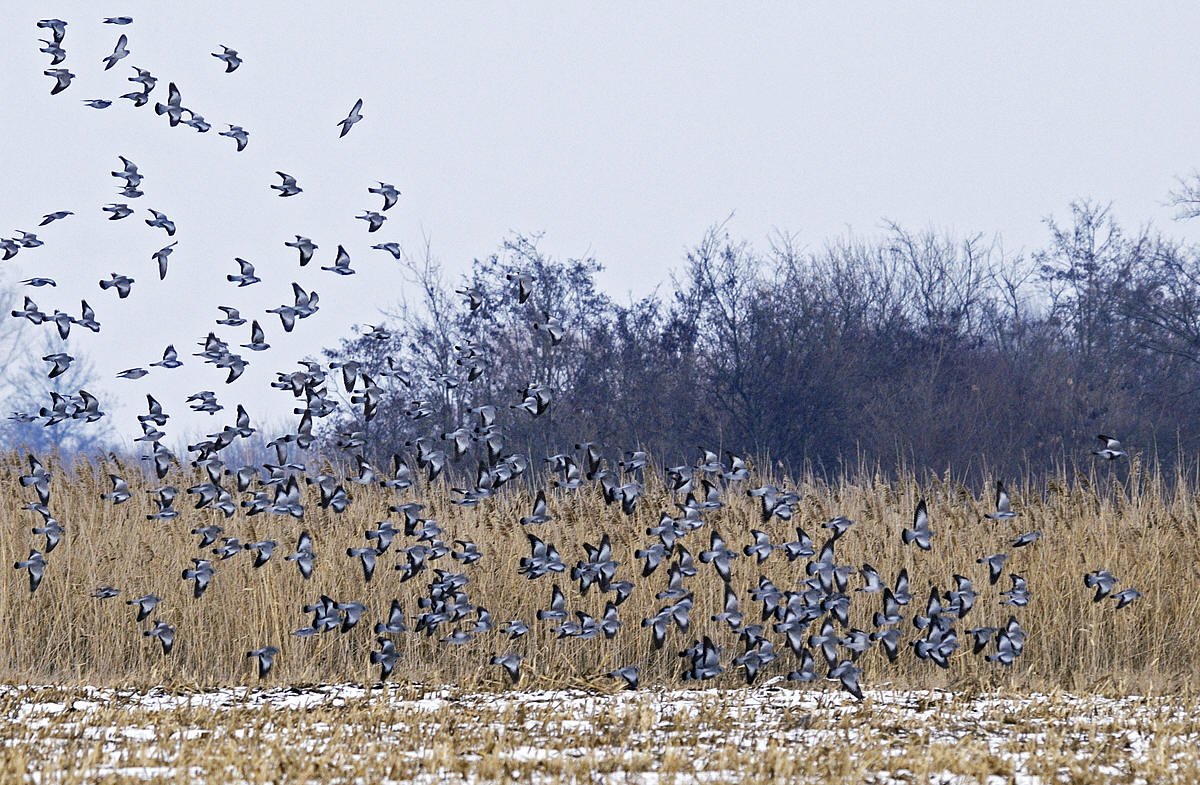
(238, 134)
(144, 78)
(36, 564)
(1028, 538)
(165, 634)
(120, 491)
(119, 52)
(262, 550)
(257, 338)
(229, 57)
(389, 194)
(288, 187)
(145, 605)
(995, 565)
(1003, 505)
(848, 674)
(1111, 450)
(173, 108)
(962, 598)
(719, 556)
(374, 220)
(36, 282)
(367, 557)
(97, 103)
(539, 514)
(57, 27)
(55, 216)
(53, 531)
(306, 248)
(201, 575)
(524, 285)
(385, 658)
(395, 621)
(118, 20)
(106, 592)
(920, 533)
(304, 556)
(60, 361)
(62, 79)
(839, 525)
(161, 221)
(874, 584)
(393, 248)
(352, 118)
(265, 657)
(139, 97)
(87, 317)
(628, 674)
(52, 48)
(123, 284)
(1123, 597)
(246, 277)
(208, 534)
(118, 211)
(341, 265)
(1018, 595)
(1102, 581)
(160, 256)
(38, 479)
(511, 664)
(762, 547)
(557, 610)
(232, 317)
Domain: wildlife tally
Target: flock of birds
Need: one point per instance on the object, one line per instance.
(808, 623)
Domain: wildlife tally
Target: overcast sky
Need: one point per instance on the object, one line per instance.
(621, 131)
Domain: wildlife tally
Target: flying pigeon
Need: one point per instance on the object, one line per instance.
(352, 118)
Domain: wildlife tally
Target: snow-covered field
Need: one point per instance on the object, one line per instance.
(347, 733)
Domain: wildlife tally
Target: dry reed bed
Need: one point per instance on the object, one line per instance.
(344, 733)
(1142, 529)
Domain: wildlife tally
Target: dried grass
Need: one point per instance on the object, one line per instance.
(1142, 529)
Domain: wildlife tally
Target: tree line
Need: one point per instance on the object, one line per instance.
(914, 348)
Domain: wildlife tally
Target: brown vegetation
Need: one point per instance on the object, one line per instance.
(1141, 528)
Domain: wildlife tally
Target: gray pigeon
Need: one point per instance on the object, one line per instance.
(36, 564)
(920, 533)
(1003, 505)
(352, 118)
(511, 664)
(388, 192)
(62, 79)
(995, 565)
(119, 52)
(306, 248)
(237, 134)
(145, 604)
(1112, 449)
(265, 657)
(165, 634)
(288, 187)
(229, 57)
(1102, 581)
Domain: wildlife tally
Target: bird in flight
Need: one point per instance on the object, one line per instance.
(1111, 450)
(62, 79)
(237, 134)
(119, 52)
(352, 118)
(230, 58)
(289, 187)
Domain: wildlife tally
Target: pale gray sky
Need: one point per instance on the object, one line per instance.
(621, 131)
